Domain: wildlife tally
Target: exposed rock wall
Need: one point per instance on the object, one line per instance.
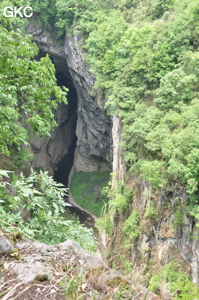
(162, 238)
(93, 129)
(167, 237)
(119, 167)
(158, 239)
(50, 151)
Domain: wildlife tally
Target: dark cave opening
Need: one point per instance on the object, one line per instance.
(64, 167)
(61, 173)
(60, 149)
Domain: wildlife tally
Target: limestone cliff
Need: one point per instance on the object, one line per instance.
(168, 232)
(88, 121)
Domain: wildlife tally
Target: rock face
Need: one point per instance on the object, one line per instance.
(49, 272)
(162, 238)
(39, 262)
(119, 167)
(50, 151)
(93, 126)
(158, 239)
(168, 237)
(5, 246)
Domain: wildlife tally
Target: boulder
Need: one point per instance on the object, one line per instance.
(5, 246)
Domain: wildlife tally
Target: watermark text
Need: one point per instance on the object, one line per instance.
(10, 12)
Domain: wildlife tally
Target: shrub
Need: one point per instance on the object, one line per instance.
(131, 226)
(177, 282)
(41, 199)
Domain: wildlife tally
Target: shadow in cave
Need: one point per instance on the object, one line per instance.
(61, 173)
(65, 165)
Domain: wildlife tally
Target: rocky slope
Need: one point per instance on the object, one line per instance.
(33, 270)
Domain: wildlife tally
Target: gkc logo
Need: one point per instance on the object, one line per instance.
(18, 12)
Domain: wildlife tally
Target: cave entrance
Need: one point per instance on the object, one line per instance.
(63, 168)
(59, 151)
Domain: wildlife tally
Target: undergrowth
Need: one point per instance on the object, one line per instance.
(36, 207)
(169, 281)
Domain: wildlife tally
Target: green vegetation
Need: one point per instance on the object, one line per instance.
(72, 286)
(145, 56)
(174, 283)
(179, 217)
(131, 226)
(28, 89)
(151, 211)
(119, 194)
(151, 76)
(19, 158)
(86, 188)
(104, 223)
(35, 206)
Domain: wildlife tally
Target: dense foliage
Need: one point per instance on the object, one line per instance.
(150, 73)
(146, 60)
(145, 57)
(176, 283)
(28, 89)
(36, 206)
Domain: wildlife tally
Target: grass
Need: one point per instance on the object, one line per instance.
(86, 188)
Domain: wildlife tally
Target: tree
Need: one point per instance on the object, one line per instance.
(28, 89)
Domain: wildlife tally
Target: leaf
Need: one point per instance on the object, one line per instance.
(5, 173)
